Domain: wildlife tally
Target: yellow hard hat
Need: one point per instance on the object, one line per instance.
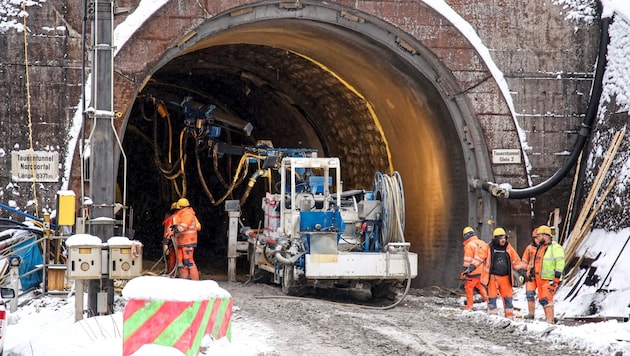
(182, 203)
(499, 232)
(174, 205)
(468, 232)
(544, 229)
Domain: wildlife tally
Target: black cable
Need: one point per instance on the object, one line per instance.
(583, 134)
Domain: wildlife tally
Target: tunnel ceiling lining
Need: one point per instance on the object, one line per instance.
(344, 121)
(398, 88)
(306, 97)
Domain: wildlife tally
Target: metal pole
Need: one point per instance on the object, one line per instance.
(15, 285)
(232, 253)
(78, 299)
(102, 142)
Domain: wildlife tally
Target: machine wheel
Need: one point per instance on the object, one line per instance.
(291, 285)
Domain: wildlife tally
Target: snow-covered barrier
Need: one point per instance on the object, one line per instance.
(174, 312)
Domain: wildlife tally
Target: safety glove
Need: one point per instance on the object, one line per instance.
(466, 271)
(521, 275)
(553, 285)
(530, 276)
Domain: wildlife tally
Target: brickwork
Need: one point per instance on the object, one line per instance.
(546, 60)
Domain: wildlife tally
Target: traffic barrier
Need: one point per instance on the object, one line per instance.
(169, 319)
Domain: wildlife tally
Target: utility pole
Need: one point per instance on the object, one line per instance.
(102, 170)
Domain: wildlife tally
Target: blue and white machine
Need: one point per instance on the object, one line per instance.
(317, 235)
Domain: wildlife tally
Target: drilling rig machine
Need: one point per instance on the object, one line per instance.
(316, 235)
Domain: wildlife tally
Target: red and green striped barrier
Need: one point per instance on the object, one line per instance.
(178, 323)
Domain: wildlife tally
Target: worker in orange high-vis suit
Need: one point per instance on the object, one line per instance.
(167, 241)
(501, 258)
(472, 267)
(530, 283)
(185, 227)
(548, 268)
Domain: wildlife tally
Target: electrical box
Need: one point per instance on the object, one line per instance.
(125, 258)
(65, 208)
(84, 256)
(370, 209)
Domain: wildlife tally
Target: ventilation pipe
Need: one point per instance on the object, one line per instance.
(501, 191)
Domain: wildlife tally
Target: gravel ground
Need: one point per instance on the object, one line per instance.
(427, 322)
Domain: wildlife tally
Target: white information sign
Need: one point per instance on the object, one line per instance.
(506, 156)
(44, 164)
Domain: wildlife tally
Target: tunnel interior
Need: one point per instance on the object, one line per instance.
(301, 84)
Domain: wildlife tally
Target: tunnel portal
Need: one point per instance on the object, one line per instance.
(359, 90)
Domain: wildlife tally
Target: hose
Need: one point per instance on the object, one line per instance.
(407, 287)
(390, 191)
(174, 272)
(277, 254)
(583, 134)
(252, 181)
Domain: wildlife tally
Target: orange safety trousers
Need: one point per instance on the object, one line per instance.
(170, 261)
(545, 295)
(500, 285)
(187, 268)
(530, 291)
(471, 284)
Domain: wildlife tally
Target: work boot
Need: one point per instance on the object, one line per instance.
(531, 307)
(549, 314)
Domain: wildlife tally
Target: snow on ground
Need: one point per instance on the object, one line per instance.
(599, 335)
(45, 327)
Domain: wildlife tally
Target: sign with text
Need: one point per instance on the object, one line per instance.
(505, 156)
(43, 164)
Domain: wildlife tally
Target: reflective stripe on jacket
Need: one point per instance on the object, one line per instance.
(472, 245)
(529, 255)
(187, 226)
(553, 261)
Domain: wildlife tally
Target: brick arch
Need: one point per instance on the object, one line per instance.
(424, 38)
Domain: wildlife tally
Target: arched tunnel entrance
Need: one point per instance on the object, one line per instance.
(364, 96)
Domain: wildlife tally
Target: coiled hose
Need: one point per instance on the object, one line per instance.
(389, 190)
